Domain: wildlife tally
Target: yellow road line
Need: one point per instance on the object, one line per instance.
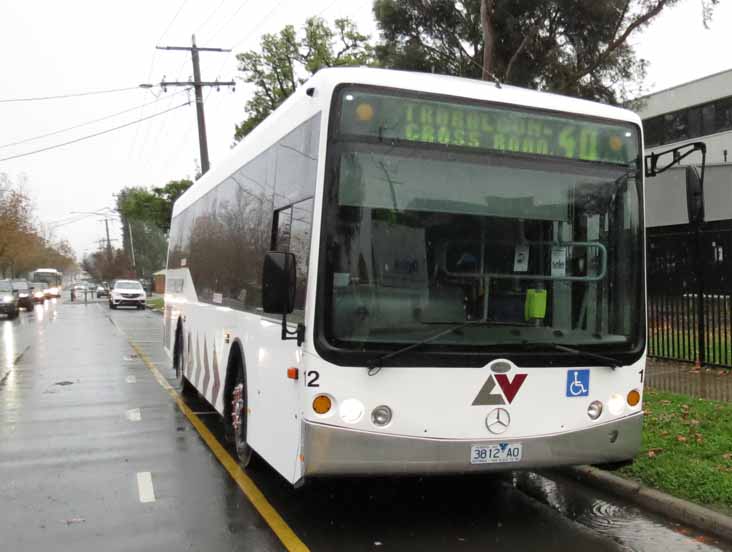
(283, 531)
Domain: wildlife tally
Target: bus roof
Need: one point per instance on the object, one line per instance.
(299, 107)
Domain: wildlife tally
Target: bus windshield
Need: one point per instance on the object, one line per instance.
(535, 242)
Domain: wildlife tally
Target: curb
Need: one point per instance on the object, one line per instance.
(680, 510)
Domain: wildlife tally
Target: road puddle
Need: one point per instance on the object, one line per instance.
(631, 527)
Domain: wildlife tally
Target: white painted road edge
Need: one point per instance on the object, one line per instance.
(145, 488)
(131, 379)
(134, 415)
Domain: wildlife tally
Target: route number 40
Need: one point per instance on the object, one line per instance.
(311, 378)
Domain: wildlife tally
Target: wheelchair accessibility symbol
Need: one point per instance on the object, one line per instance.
(578, 383)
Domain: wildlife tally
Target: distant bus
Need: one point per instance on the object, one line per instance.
(49, 276)
(406, 273)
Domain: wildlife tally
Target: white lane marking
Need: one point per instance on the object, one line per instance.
(145, 489)
(134, 415)
(131, 379)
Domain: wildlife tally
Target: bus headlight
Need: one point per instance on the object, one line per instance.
(351, 411)
(616, 404)
(381, 415)
(7, 298)
(594, 410)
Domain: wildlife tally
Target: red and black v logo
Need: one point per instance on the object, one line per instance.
(509, 389)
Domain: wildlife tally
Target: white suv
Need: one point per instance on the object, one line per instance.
(127, 293)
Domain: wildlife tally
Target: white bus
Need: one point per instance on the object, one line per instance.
(51, 277)
(404, 273)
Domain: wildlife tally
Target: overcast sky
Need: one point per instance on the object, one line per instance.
(52, 47)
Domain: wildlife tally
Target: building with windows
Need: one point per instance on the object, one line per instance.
(699, 110)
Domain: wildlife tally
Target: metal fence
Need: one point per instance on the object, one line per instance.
(690, 293)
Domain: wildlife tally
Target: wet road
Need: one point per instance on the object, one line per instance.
(95, 454)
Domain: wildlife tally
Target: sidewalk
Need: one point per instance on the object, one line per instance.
(681, 377)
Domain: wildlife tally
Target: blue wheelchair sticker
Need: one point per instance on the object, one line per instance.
(578, 383)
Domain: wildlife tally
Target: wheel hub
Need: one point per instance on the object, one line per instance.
(237, 406)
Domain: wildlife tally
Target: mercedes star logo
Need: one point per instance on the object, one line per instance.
(498, 420)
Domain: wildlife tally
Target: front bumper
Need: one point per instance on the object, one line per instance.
(125, 302)
(330, 450)
(7, 308)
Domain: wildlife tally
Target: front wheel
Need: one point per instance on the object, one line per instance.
(179, 363)
(237, 419)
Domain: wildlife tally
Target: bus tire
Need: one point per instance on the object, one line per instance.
(179, 362)
(235, 407)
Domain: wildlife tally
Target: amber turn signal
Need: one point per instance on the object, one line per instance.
(292, 373)
(321, 404)
(633, 397)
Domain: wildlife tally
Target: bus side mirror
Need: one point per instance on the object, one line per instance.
(278, 282)
(694, 196)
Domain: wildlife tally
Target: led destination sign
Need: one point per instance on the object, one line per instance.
(390, 117)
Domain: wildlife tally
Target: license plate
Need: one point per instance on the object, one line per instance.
(493, 454)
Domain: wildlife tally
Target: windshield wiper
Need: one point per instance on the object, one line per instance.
(606, 360)
(376, 364)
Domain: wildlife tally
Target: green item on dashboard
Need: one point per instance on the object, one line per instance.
(535, 305)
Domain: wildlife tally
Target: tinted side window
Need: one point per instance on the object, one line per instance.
(223, 237)
(293, 233)
(297, 163)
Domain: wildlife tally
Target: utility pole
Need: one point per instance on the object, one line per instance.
(109, 243)
(198, 85)
(132, 245)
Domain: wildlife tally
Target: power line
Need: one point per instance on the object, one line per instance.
(150, 72)
(95, 134)
(210, 15)
(259, 23)
(229, 20)
(180, 9)
(72, 95)
(60, 131)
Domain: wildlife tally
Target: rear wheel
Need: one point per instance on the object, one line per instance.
(236, 419)
(14, 314)
(179, 363)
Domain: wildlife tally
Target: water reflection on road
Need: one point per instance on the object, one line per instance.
(627, 524)
(677, 377)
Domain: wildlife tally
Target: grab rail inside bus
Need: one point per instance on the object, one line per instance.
(520, 276)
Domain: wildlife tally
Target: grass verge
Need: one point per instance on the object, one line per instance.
(155, 303)
(687, 449)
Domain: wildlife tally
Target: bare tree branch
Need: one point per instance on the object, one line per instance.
(619, 41)
(529, 35)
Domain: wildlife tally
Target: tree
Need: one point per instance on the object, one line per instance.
(105, 266)
(574, 47)
(154, 206)
(145, 216)
(22, 247)
(286, 61)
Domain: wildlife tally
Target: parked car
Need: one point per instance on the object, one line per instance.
(102, 291)
(23, 290)
(127, 293)
(8, 299)
(38, 291)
